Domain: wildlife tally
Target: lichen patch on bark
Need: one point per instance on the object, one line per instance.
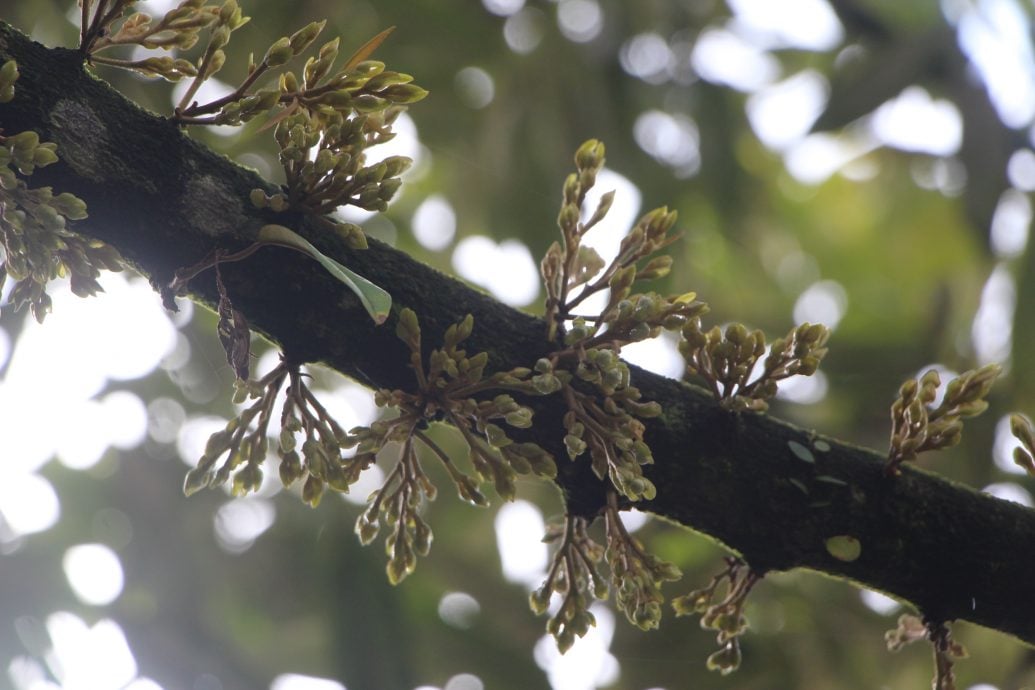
(211, 206)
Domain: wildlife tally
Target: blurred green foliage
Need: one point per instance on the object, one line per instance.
(307, 598)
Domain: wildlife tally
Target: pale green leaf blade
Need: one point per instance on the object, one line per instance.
(376, 301)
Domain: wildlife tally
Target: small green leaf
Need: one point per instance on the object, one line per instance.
(844, 547)
(801, 451)
(367, 49)
(376, 301)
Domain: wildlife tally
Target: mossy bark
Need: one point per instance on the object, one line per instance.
(165, 202)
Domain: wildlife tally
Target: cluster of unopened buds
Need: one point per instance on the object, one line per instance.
(725, 616)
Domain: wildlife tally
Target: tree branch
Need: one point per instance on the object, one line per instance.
(165, 201)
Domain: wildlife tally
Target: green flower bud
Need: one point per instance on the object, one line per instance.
(469, 492)
(544, 384)
(279, 53)
(568, 216)
(640, 331)
(8, 76)
(196, 480)
(574, 445)
(248, 479)
(403, 94)
(69, 205)
(218, 442)
(539, 600)
(565, 639)
(388, 188)
(590, 155)
(312, 491)
(422, 538)
(520, 418)
(229, 12)
(301, 39)
(288, 83)
(399, 567)
(290, 468)
(44, 155)
(366, 103)
(325, 161)
(726, 660)
(279, 203)
(692, 603)
(366, 530)
(396, 165)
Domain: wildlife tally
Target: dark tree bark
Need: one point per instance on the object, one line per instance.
(164, 201)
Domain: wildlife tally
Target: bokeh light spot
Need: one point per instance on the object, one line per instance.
(878, 603)
(179, 355)
(659, 355)
(1011, 224)
(94, 572)
(27, 673)
(723, 57)
(194, 434)
(459, 609)
(371, 479)
(524, 31)
(28, 503)
(588, 664)
(434, 223)
(803, 390)
(580, 20)
(947, 175)
(475, 87)
(503, 8)
(94, 658)
(406, 142)
(673, 140)
(81, 438)
(84, 344)
(519, 538)
(464, 681)
(818, 156)
(297, 681)
(606, 236)
(506, 269)
(124, 417)
(914, 121)
(165, 416)
(1010, 491)
(1020, 170)
(805, 24)
(239, 522)
(823, 302)
(992, 328)
(783, 113)
(633, 519)
(996, 36)
(647, 56)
